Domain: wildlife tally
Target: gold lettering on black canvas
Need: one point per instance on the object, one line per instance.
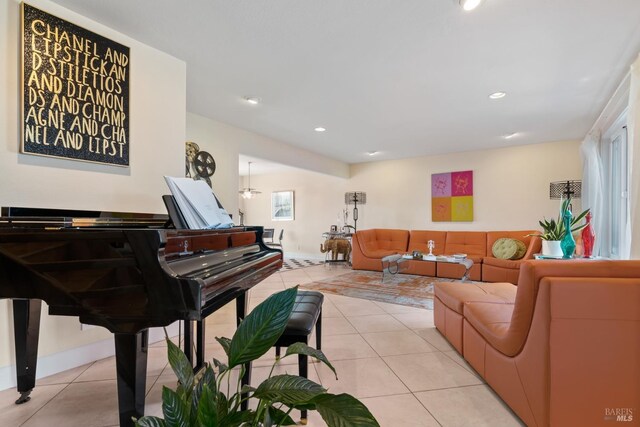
(75, 91)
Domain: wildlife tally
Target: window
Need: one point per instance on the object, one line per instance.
(615, 239)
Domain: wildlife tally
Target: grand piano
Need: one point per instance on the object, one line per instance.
(127, 273)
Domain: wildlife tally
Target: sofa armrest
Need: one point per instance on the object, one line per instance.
(535, 246)
(594, 347)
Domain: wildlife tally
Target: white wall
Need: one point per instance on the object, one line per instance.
(318, 204)
(157, 135)
(510, 187)
(511, 191)
(225, 142)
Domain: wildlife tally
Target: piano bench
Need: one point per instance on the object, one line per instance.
(306, 313)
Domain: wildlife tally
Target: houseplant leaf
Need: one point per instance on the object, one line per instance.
(225, 343)
(150, 422)
(236, 419)
(260, 330)
(302, 348)
(344, 410)
(207, 408)
(175, 411)
(180, 365)
(288, 389)
(221, 366)
(280, 417)
(208, 378)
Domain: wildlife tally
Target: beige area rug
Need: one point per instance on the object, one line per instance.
(404, 289)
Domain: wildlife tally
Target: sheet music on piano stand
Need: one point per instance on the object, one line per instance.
(198, 205)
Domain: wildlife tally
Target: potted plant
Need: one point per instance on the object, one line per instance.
(554, 230)
(205, 400)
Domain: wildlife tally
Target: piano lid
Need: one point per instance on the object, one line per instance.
(43, 217)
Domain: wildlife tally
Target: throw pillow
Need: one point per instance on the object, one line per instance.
(522, 249)
(506, 248)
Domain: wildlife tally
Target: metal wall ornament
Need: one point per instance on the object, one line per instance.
(200, 165)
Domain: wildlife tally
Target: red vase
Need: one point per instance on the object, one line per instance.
(588, 238)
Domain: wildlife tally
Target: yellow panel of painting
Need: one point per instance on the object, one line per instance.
(440, 209)
(462, 208)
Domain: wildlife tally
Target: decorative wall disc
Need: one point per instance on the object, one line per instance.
(204, 164)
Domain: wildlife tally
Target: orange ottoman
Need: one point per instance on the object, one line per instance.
(450, 298)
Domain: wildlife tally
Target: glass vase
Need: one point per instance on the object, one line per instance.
(568, 243)
(588, 238)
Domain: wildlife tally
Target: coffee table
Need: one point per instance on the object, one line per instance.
(394, 264)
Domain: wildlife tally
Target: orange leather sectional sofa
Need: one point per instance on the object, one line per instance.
(370, 246)
(562, 348)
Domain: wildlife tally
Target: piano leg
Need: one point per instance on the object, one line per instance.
(241, 311)
(26, 321)
(131, 367)
(198, 363)
(188, 340)
(200, 331)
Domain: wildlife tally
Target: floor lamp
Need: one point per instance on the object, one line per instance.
(354, 198)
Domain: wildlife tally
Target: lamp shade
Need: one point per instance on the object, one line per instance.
(565, 189)
(355, 197)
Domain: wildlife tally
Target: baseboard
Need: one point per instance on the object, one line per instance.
(69, 359)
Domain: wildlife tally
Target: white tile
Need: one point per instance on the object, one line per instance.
(453, 355)
(420, 320)
(87, 404)
(397, 342)
(329, 309)
(429, 371)
(63, 377)
(355, 306)
(14, 415)
(376, 323)
(474, 406)
(435, 338)
(398, 308)
(399, 410)
(336, 326)
(349, 346)
(361, 378)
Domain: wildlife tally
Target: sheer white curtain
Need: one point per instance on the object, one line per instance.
(593, 186)
(633, 127)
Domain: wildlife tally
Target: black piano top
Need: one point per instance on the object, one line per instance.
(39, 217)
(126, 271)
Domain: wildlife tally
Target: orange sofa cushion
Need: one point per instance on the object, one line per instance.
(418, 241)
(472, 243)
(377, 243)
(455, 294)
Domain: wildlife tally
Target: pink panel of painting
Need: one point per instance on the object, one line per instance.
(441, 185)
(462, 183)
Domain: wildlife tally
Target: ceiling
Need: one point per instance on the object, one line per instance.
(261, 166)
(404, 77)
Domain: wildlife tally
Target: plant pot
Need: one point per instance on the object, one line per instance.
(551, 248)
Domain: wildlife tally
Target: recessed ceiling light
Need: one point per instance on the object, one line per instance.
(252, 100)
(372, 153)
(498, 95)
(511, 135)
(470, 4)
(319, 129)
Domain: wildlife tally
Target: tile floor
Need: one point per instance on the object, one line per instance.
(389, 356)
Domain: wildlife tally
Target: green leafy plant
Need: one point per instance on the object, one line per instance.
(206, 400)
(554, 229)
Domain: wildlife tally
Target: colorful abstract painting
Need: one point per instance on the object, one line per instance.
(452, 196)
